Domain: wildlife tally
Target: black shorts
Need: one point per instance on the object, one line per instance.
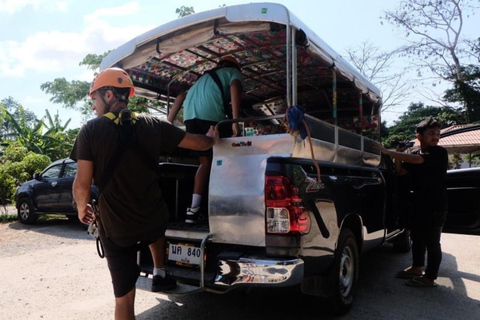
(199, 126)
(121, 255)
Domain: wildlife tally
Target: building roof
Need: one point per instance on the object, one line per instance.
(460, 138)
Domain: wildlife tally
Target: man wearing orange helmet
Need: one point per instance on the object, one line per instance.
(206, 104)
(131, 207)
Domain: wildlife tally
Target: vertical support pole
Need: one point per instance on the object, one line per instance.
(334, 93)
(360, 105)
(289, 65)
(294, 68)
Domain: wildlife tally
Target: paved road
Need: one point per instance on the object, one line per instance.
(51, 271)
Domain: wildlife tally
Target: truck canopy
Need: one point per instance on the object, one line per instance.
(169, 59)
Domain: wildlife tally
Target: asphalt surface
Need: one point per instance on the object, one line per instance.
(51, 271)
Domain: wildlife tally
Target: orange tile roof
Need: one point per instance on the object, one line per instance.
(465, 141)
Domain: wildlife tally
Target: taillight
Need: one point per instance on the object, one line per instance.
(284, 210)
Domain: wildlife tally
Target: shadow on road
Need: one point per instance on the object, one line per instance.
(379, 296)
(58, 226)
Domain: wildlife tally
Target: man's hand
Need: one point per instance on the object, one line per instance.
(87, 215)
(235, 129)
(380, 148)
(213, 133)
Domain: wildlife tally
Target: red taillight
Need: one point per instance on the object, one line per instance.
(284, 210)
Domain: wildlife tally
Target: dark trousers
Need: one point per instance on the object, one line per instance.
(427, 242)
(426, 232)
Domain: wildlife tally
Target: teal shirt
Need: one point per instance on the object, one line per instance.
(204, 100)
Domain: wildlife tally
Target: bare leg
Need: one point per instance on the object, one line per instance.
(124, 306)
(158, 252)
(203, 174)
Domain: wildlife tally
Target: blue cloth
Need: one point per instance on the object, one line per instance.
(295, 118)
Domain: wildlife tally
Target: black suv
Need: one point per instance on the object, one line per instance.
(49, 192)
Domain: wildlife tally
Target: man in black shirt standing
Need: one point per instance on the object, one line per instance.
(427, 167)
(121, 159)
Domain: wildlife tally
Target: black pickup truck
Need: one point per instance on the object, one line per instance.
(282, 211)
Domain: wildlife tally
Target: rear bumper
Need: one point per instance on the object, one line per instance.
(260, 272)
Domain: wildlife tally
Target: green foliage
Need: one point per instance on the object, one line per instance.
(14, 108)
(466, 89)
(35, 163)
(18, 165)
(437, 45)
(7, 186)
(74, 94)
(184, 11)
(14, 152)
(473, 159)
(92, 61)
(51, 138)
(455, 161)
(67, 93)
(8, 218)
(404, 128)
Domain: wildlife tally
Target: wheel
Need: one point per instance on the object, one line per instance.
(26, 213)
(344, 273)
(402, 243)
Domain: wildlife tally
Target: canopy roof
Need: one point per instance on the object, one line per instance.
(170, 58)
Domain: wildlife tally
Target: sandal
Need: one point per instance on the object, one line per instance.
(420, 282)
(406, 274)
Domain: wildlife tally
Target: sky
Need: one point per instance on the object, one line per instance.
(41, 40)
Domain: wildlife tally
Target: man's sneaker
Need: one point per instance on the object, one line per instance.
(192, 215)
(160, 283)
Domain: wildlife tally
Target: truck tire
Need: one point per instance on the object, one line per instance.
(26, 214)
(344, 273)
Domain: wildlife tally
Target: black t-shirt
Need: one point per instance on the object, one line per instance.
(428, 179)
(131, 202)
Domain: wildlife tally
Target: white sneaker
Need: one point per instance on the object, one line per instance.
(192, 215)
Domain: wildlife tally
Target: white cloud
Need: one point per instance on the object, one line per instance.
(127, 9)
(13, 6)
(54, 51)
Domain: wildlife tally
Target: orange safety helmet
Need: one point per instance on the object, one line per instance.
(229, 59)
(112, 77)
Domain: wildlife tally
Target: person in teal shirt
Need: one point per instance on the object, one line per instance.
(204, 107)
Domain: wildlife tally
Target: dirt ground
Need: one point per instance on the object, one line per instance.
(51, 270)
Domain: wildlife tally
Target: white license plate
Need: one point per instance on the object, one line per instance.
(184, 254)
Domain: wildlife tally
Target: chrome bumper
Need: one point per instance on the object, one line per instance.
(260, 272)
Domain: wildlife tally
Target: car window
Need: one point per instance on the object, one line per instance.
(52, 173)
(70, 170)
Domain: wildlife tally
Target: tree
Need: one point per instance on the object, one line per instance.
(455, 161)
(404, 128)
(52, 139)
(70, 94)
(434, 29)
(13, 107)
(376, 66)
(467, 90)
(184, 11)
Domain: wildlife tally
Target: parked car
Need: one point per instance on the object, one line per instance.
(49, 192)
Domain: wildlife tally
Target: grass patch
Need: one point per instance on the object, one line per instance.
(4, 218)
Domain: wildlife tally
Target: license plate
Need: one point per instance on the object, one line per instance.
(184, 254)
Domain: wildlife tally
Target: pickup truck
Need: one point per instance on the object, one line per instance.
(282, 211)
